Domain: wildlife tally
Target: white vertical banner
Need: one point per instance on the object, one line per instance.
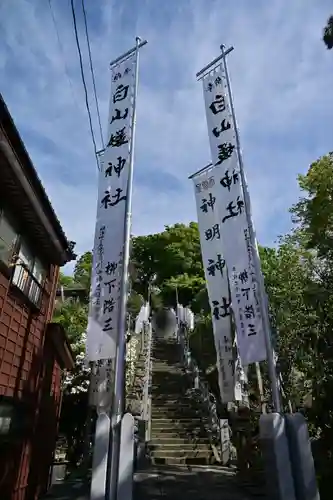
(107, 266)
(180, 313)
(141, 318)
(189, 318)
(147, 312)
(216, 279)
(233, 222)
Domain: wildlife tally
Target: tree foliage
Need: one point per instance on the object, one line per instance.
(169, 259)
(328, 33)
(313, 214)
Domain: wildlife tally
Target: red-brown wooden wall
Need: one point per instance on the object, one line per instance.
(30, 372)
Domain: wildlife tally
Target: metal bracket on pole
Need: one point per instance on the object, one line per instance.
(213, 63)
(127, 54)
(201, 171)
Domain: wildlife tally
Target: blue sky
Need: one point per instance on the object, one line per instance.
(282, 79)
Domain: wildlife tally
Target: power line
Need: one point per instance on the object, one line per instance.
(92, 72)
(62, 53)
(84, 81)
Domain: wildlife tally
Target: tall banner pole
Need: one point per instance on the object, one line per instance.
(256, 260)
(106, 329)
(295, 475)
(117, 409)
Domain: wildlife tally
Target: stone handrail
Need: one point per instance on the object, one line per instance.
(146, 400)
(140, 344)
(201, 387)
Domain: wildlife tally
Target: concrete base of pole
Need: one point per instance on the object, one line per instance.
(100, 457)
(301, 458)
(126, 459)
(275, 452)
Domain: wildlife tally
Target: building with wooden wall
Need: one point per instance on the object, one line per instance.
(33, 350)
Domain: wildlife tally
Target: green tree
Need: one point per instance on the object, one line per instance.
(72, 315)
(169, 258)
(313, 212)
(328, 33)
(288, 271)
(65, 281)
(183, 286)
(82, 270)
(313, 215)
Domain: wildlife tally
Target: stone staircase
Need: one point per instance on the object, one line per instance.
(179, 420)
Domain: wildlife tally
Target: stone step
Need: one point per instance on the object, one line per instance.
(202, 457)
(192, 418)
(179, 452)
(180, 430)
(170, 420)
(179, 433)
(185, 424)
(161, 400)
(180, 438)
(174, 397)
(179, 409)
(172, 400)
(167, 381)
(166, 439)
(189, 414)
(166, 354)
(182, 384)
(166, 402)
(166, 376)
(163, 369)
(162, 390)
(180, 447)
(168, 411)
(159, 365)
(164, 360)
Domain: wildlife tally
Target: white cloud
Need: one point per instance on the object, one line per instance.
(281, 76)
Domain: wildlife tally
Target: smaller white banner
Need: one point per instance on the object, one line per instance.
(101, 383)
(142, 318)
(232, 222)
(180, 313)
(189, 318)
(216, 280)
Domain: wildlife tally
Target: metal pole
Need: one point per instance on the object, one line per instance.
(201, 171)
(261, 388)
(202, 72)
(117, 406)
(128, 53)
(86, 445)
(261, 288)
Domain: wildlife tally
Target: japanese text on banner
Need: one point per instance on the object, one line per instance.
(232, 217)
(110, 225)
(217, 281)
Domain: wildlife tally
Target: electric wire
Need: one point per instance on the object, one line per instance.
(62, 54)
(92, 72)
(84, 81)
